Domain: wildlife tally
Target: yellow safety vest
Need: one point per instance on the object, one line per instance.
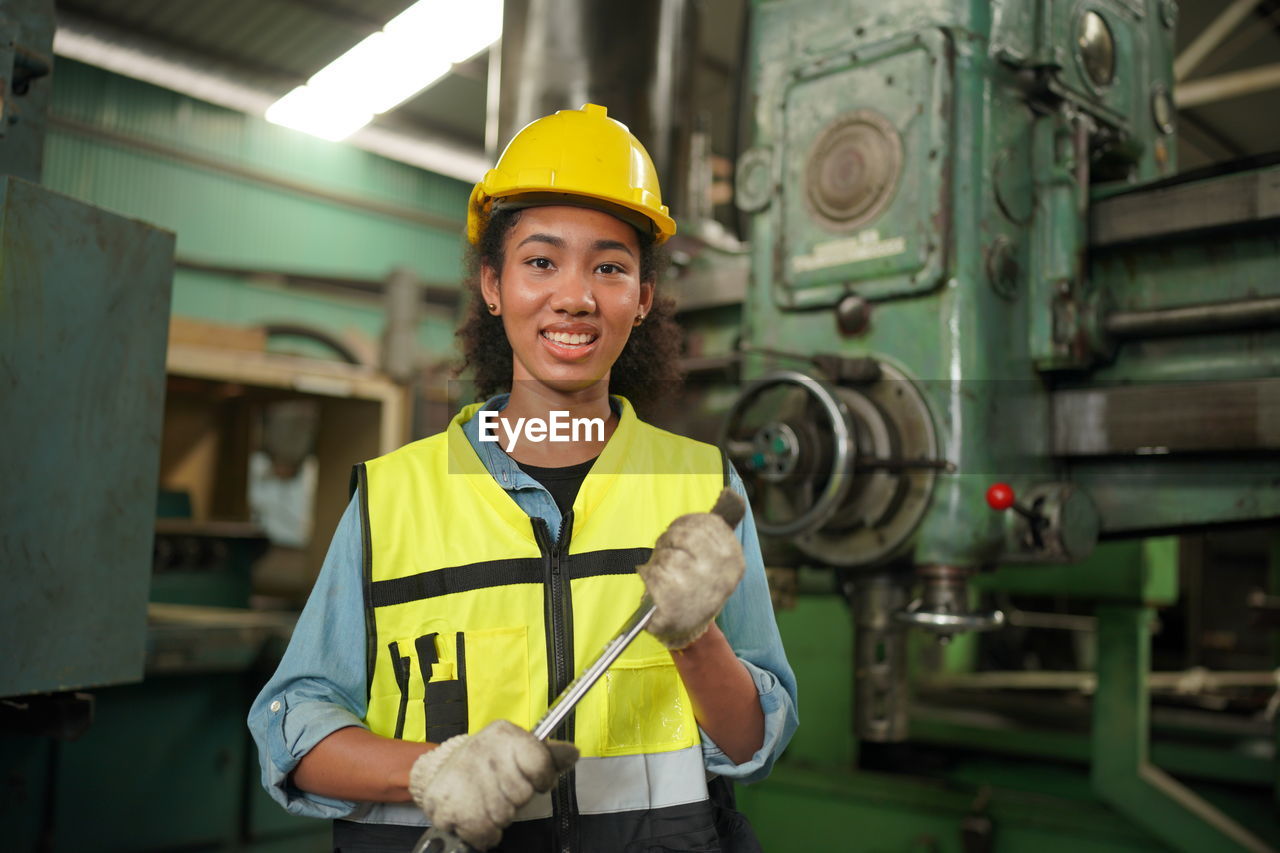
(475, 612)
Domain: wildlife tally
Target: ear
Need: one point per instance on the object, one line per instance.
(646, 297)
(489, 289)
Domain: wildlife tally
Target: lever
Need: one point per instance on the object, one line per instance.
(1000, 497)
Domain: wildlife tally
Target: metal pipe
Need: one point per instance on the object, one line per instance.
(1195, 319)
(881, 693)
(1187, 683)
(1211, 36)
(1223, 86)
(636, 59)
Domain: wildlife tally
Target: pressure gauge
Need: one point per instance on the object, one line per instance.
(1096, 49)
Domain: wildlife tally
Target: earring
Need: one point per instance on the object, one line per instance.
(492, 307)
(639, 319)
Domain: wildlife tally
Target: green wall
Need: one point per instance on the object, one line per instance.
(239, 191)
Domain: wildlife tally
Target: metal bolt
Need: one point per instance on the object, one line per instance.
(853, 315)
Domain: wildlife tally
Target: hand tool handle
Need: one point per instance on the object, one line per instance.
(728, 506)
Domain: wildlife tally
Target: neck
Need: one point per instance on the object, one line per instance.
(530, 400)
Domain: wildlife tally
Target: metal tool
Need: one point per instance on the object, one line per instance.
(729, 507)
(438, 841)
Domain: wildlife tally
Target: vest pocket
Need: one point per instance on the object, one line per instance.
(646, 708)
(444, 696)
(429, 701)
(498, 686)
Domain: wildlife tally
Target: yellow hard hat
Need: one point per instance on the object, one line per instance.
(580, 157)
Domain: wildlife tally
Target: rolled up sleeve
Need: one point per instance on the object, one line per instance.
(748, 623)
(319, 686)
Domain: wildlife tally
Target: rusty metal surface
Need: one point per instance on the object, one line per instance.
(1162, 418)
(84, 307)
(1241, 199)
(26, 63)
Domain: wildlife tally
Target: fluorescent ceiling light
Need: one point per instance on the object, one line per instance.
(414, 50)
(312, 111)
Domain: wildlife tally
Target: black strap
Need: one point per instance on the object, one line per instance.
(360, 476)
(455, 579)
(400, 666)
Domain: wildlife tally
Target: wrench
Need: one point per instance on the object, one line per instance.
(729, 507)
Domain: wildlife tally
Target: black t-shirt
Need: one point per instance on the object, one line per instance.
(562, 483)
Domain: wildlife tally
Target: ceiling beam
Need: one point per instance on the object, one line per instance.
(353, 19)
(1206, 90)
(77, 17)
(152, 61)
(1211, 36)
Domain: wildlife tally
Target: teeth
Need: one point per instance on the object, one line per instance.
(572, 339)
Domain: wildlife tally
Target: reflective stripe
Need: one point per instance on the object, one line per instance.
(404, 814)
(605, 785)
(637, 782)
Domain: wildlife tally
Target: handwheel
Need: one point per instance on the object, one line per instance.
(777, 452)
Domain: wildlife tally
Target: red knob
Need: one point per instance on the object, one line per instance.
(1000, 496)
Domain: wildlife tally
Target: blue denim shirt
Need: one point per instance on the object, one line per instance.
(320, 685)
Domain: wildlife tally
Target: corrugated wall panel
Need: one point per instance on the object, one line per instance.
(101, 150)
(236, 221)
(116, 104)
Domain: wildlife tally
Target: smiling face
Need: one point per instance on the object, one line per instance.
(568, 293)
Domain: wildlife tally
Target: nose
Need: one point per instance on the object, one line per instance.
(573, 294)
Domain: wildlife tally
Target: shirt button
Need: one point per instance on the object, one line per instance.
(275, 706)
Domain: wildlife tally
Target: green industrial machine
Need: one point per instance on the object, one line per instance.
(121, 717)
(1000, 352)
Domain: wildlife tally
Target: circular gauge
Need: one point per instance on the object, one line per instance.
(1097, 49)
(853, 169)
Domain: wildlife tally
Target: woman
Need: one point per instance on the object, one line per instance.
(470, 578)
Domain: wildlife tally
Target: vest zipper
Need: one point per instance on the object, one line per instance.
(559, 614)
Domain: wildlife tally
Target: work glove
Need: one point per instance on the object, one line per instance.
(472, 785)
(695, 566)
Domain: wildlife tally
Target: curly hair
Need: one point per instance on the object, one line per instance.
(648, 367)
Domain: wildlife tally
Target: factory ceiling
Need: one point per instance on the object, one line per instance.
(246, 53)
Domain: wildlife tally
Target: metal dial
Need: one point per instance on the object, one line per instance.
(1097, 48)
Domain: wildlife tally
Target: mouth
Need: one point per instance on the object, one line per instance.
(570, 339)
(569, 344)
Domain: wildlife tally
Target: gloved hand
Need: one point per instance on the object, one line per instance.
(695, 566)
(472, 785)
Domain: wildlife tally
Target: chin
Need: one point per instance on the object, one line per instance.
(569, 384)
